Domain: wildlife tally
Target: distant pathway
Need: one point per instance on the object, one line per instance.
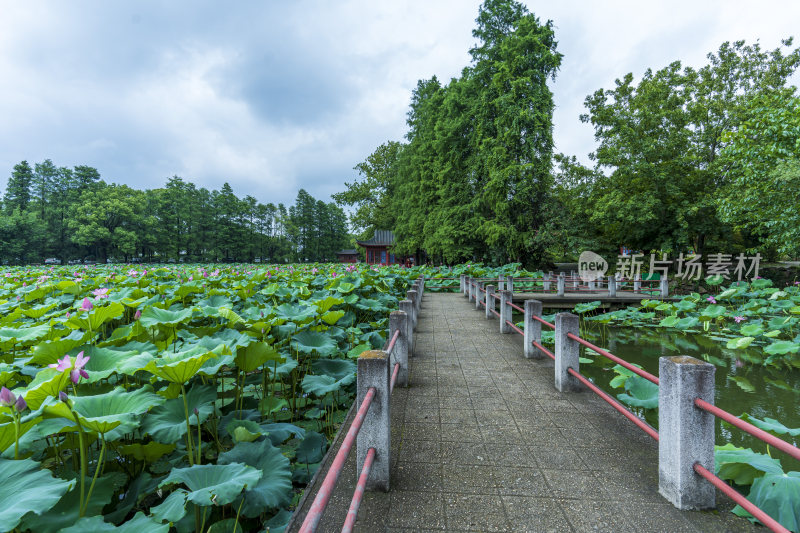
(482, 441)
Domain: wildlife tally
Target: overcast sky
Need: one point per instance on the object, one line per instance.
(275, 96)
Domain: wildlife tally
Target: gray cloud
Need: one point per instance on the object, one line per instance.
(272, 97)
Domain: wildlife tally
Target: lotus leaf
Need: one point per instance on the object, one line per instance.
(138, 524)
(782, 347)
(771, 425)
(743, 465)
(27, 488)
(167, 423)
(149, 453)
(641, 393)
(103, 413)
(97, 317)
(312, 449)
(172, 509)
(314, 341)
(153, 316)
(181, 366)
(255, 355)
(214, 484)
(274, 489)
(778, 495)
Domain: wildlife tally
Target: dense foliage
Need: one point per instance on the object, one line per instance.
(472, 179)
(65, 213)
(688, 159)
(184, 396)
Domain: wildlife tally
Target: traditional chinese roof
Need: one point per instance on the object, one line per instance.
(347, 252)
(381, 238)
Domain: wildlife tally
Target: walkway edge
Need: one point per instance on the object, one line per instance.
(311, 489)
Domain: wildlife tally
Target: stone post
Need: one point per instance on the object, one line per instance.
(398, 321)
(413, 295)
(407, 307)
(505, 311)
(501, 285)
(489, 301)
(510, 283)
(373, 372)
(612, 286)
(567, 352)
(685, 432)
(478, 295)
(560, 283)
(637, 283)
(575, 280)
(591, 285)
(546, 283)
(533, 329)
(664, 286)
(462, 285)
(421, 281)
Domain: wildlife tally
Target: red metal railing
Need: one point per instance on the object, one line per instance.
(392, 342)
(760, 434)
(646, 375)
(352, 513)
(326, 489)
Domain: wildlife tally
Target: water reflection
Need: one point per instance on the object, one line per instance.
(743, 383)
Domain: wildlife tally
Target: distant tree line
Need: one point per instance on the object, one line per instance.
(704, 160)
(71, 213)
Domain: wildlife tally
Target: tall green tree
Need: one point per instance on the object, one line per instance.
(18, 188)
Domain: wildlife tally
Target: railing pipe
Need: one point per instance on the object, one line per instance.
(326, 489)
(358, 495)
(758, 433)
(635, 369)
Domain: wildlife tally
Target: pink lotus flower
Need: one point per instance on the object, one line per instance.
(86, 305)
(78, 371)
(63, 364)
(21, 404)
(100, 293)
(739, 319)
(67, 314)
(7, 398)
(63, 396)
(711, 299)
(137, 315)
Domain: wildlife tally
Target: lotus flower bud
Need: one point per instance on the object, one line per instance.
(7, 397)
(20, 404)
(63, 396)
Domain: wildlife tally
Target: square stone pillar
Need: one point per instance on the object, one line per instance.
(490, 301)
(398, 321)
(561, 283)
(685, 432)
(567, 352)
(408, 308)
(373, 372)
(479, 295)
(612, 286)
(505, 311)
(533, 329)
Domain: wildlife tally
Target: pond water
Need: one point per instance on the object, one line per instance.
(743, 385)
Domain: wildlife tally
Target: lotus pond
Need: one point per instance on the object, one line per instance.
(187, 398)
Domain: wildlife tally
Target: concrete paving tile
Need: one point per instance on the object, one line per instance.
(416, 510)
(561, 457)
(459, 433)
(535, 515)
(520, 481)
(469, 479)
(511, 455)
(464, 417)
(417, 477)
(467, 453)
(600, 516)
(421, 432)
(475, 512)
(575, 484)
(500, 434)
(420, 451)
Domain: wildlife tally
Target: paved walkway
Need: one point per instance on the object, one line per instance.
(483, 442)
